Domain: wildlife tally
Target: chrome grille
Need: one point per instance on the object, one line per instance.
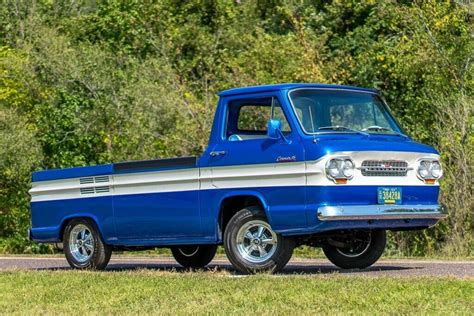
(86, 190)
(102, 189)
(94, 189)
(101, 179)
(87, 180)
(384, 168)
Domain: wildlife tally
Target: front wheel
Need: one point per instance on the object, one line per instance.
(197, 256)
(83, 245)
(356, 249)
(252, 246)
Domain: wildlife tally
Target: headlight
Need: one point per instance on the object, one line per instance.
(436, 170)
(332, 168)
(429, 170)
(423, 169)
(348, 168)
(340, 169)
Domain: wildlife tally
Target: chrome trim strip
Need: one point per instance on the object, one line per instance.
(373, 212)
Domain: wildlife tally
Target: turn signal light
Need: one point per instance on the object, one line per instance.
(430, 181)
(340, 181)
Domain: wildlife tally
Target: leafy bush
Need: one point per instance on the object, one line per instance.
(92, 82)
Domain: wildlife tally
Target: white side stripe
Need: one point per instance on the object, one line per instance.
(310, 173)
(259, 175)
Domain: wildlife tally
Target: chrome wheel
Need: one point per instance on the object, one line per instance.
(256, 241)
(81, 243)
(357, 246)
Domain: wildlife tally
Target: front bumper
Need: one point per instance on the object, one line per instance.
(380, 212)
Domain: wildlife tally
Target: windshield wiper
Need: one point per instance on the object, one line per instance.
(341, 128)
(377, 128)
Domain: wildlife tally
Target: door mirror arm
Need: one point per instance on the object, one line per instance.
(274, 131)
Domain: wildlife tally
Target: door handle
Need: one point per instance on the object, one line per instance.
(217, 153)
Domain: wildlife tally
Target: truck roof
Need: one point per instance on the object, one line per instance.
(286, 86)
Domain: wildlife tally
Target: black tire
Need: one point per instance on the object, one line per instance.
(370, 251)
(277, 261)
(97, 258)
(194, 256)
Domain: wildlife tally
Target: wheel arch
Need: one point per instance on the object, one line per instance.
(233, 202)
(71, 217)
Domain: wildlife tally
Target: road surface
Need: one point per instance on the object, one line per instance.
(387, 267)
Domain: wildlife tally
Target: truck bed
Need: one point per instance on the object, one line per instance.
(120, 167)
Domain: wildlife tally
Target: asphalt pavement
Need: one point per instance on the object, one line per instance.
(384, 267)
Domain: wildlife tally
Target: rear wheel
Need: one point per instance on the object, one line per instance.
(83, 246)
(358, 249)
(252, 246)
(195, 256)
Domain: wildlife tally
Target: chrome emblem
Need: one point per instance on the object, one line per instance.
(285, 158)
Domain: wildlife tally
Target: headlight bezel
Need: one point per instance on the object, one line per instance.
(424, 170)
(345, 167)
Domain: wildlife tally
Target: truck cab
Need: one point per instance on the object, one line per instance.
(286, 165)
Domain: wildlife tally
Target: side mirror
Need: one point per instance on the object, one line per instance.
(274, 129)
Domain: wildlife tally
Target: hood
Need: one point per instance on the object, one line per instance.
(331, 143)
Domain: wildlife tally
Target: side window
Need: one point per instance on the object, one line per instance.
(253, 118)
(256, 117)
(279, 115)
(248, 119)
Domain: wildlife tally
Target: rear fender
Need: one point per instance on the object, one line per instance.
(90, 216)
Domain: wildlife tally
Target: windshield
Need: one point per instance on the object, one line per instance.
(322, 111)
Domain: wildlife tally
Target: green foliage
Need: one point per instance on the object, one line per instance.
(86, 82)
(20, 153)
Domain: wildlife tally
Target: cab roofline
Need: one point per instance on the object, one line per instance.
(288, 86)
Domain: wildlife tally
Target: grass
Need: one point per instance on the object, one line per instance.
(220, 292)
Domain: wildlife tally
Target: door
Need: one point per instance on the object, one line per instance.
(246, 160)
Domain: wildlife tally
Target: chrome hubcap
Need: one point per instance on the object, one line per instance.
(256, 241)
(81, 243)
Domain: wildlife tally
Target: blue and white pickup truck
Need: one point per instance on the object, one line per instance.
(287, 165)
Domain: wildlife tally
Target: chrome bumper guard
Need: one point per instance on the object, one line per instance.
(374, 212)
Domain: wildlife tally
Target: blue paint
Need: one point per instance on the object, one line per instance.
(287, 86)
(48, 217)
(172, 215)
(162, 215)
(56, 174)
(191, 217)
